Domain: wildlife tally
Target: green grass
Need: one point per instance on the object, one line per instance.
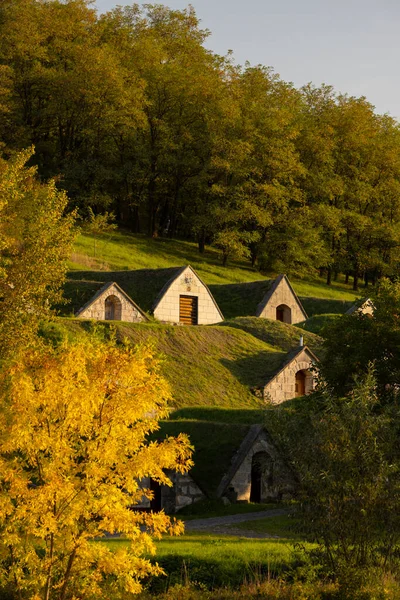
(206, 366)
(217, 561)
(283, 526)
(277, 334)
(128, 258)
(125, 251)
(219, 415)
(215, 445)
(317, 323)
(216, 508)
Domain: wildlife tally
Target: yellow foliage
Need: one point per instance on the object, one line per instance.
(74, 422)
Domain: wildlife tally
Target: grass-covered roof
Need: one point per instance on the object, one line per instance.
(210, 440)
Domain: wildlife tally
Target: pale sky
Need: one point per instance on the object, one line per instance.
(353, 45)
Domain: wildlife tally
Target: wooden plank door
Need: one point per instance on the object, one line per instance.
(188, 310)
(300, 387)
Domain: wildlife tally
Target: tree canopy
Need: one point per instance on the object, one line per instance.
(136, 116)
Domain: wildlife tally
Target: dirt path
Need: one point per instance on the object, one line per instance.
(226, 525)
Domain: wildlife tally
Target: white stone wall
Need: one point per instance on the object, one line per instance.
(367, 308)
(282, 387)
(187, 284)
(97, 309)
(282, 295)
(281, 485)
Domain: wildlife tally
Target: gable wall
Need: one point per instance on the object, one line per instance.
(184, 491)
(282, 387)
(282, 295)
(281, 484)
(168, 308)
(367, 308)
(97, 309)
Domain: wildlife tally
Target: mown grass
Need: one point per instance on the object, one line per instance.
(318, 323)
(215, 445)
(282, 526)
(277, 334)
(216, 561)
(206, 366)
(123, 251)
(219, 415)
(208, 508)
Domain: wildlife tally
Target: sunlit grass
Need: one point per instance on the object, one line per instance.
(125, 251)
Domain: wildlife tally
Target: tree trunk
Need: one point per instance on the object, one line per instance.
(202, 241)
(355, 280)
(346, 280)
(329, 276)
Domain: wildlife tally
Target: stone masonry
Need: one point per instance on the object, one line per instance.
(282, 386)
(184, 491)
(281, 294)
(187, 283)
(96, 308)
(277, 484)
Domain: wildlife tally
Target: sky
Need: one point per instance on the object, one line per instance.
(353, 45)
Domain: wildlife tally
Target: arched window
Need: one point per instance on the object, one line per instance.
(284, 313)
(261, 477)
(112, 308)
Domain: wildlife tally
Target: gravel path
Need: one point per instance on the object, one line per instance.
(226, 525)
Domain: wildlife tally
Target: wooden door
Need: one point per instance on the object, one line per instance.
(300, 383)
(280, 314)
(188, 310)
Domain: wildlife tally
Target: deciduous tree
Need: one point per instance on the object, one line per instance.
(74, 422)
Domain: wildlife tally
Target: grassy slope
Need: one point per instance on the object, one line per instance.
(119, 254)
(206, 366)
(210, 440)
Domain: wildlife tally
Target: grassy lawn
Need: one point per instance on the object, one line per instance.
(206, 366)
(283, 526)
(217, 560)
(122, 251)
(215, 508)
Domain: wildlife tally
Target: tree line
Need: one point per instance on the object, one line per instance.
(135, 116)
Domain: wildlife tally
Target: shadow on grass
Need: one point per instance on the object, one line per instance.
(256, 370)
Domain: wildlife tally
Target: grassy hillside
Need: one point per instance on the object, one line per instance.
(277, 334)
(120, 255)
(210, 439)
(210, 366)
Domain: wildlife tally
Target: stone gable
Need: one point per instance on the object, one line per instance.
(282, 386)
(186, 284)
(281, 303)
(111, 303)
(258, 473)
(365, 308)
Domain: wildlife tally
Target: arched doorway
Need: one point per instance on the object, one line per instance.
(284, 313)
(261, 476)
(300, 384)
(112, 308)
(155, 503)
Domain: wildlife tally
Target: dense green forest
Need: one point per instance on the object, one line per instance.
(136, 118)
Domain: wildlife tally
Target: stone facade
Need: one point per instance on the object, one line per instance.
(258, 473)
(283, 385)
(112, 303)
(366, 308)
(281, 303)
(187, 283)
(184, 491)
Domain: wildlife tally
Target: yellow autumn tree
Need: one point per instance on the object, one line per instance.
(74, 451)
